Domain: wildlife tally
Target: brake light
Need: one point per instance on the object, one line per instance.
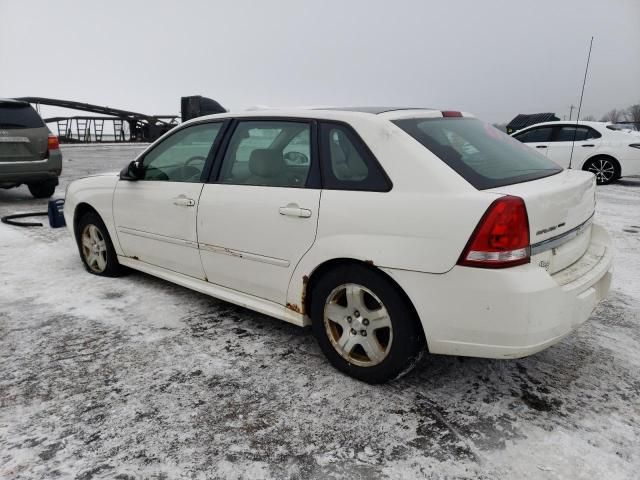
(501, 238)
(52, 143)
(451, 113)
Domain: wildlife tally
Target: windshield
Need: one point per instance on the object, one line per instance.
(18, 115)
(480, 153)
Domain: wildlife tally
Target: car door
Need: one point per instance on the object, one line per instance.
(259, 215)
(155, 216)
(562, 149)
(536, 137)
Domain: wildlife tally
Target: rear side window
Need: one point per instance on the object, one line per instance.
(268, 153)
(481, 154)
(19, 115)
(541, 134)
(347, 164)
(565, 133)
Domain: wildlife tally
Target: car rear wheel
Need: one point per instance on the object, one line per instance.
(605, 169)
(42, 189)
(96, 248)
(364, 325)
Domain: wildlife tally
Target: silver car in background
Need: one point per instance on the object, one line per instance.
(29, 153)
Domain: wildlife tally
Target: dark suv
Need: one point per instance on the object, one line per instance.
(29, 153)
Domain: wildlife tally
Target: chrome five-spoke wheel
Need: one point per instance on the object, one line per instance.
(358, 325)
(94, 248)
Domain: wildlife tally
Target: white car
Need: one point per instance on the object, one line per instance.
(390, 231)
(601, 148)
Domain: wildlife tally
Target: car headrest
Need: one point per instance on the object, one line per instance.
(265, 162)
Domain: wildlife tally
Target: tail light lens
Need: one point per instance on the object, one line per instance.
(501, 239)
(52, 143)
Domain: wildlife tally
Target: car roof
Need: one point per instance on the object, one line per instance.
(566, 122)
(373, 110)
(331, 113)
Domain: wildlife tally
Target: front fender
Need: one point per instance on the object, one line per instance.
(97, 192)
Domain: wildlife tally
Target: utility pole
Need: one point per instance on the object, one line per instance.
(571, 107)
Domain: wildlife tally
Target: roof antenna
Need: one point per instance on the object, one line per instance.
(575, 130)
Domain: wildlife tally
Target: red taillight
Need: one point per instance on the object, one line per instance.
(52, 143)
(501, 239)
(451, 113)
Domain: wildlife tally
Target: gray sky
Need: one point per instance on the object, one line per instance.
(492, 58)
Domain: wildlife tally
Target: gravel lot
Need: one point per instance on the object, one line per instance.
(138, 378)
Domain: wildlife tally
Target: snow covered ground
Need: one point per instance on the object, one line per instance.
(137, 378)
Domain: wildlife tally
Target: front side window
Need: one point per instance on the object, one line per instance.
(565, 133)
(540, 134)
(182, 156)
(346, 162)
(481, 154)
(268, 153)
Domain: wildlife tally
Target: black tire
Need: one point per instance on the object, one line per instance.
(108, 266)
(407, 343)
(42, 189)
(606, 169)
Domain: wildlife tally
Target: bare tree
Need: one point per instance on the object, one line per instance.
(589, 118)
(633, 112)
(612, 116)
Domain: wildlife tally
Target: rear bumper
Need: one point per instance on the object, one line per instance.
(508, 313)
(15, 173)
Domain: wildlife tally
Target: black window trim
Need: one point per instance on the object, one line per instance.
(519, 133)
(364, 151)
(313, 178)
(557, 127)
(210, 156)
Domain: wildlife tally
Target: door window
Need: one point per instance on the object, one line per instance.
(347, 164)
(268, 153)
(541, 134)
(182, 156)
(565, 133)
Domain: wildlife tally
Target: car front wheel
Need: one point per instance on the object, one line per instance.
(364, 325)
(96, 248)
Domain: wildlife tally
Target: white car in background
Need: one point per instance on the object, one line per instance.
(601, 148)
(387, 230)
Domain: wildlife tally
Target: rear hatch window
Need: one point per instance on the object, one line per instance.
(481, 154)
(19, 115)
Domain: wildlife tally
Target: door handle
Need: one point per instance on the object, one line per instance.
(184, 201)
(293, 210)
(541, 146)
(589, 145)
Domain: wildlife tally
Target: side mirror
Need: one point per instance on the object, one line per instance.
(132, 172)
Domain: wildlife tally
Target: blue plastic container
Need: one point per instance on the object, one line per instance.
(56, 216)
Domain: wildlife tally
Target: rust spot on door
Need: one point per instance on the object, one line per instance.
(303, 299)
(293, 307)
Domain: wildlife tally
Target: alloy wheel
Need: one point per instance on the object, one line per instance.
(94, 248)
(603, 169)
(358, 325)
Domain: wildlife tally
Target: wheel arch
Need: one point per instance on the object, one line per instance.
(81, 209)
(312, 279)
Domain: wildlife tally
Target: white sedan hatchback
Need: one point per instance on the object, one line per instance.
(390, 231)
(598, 147)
